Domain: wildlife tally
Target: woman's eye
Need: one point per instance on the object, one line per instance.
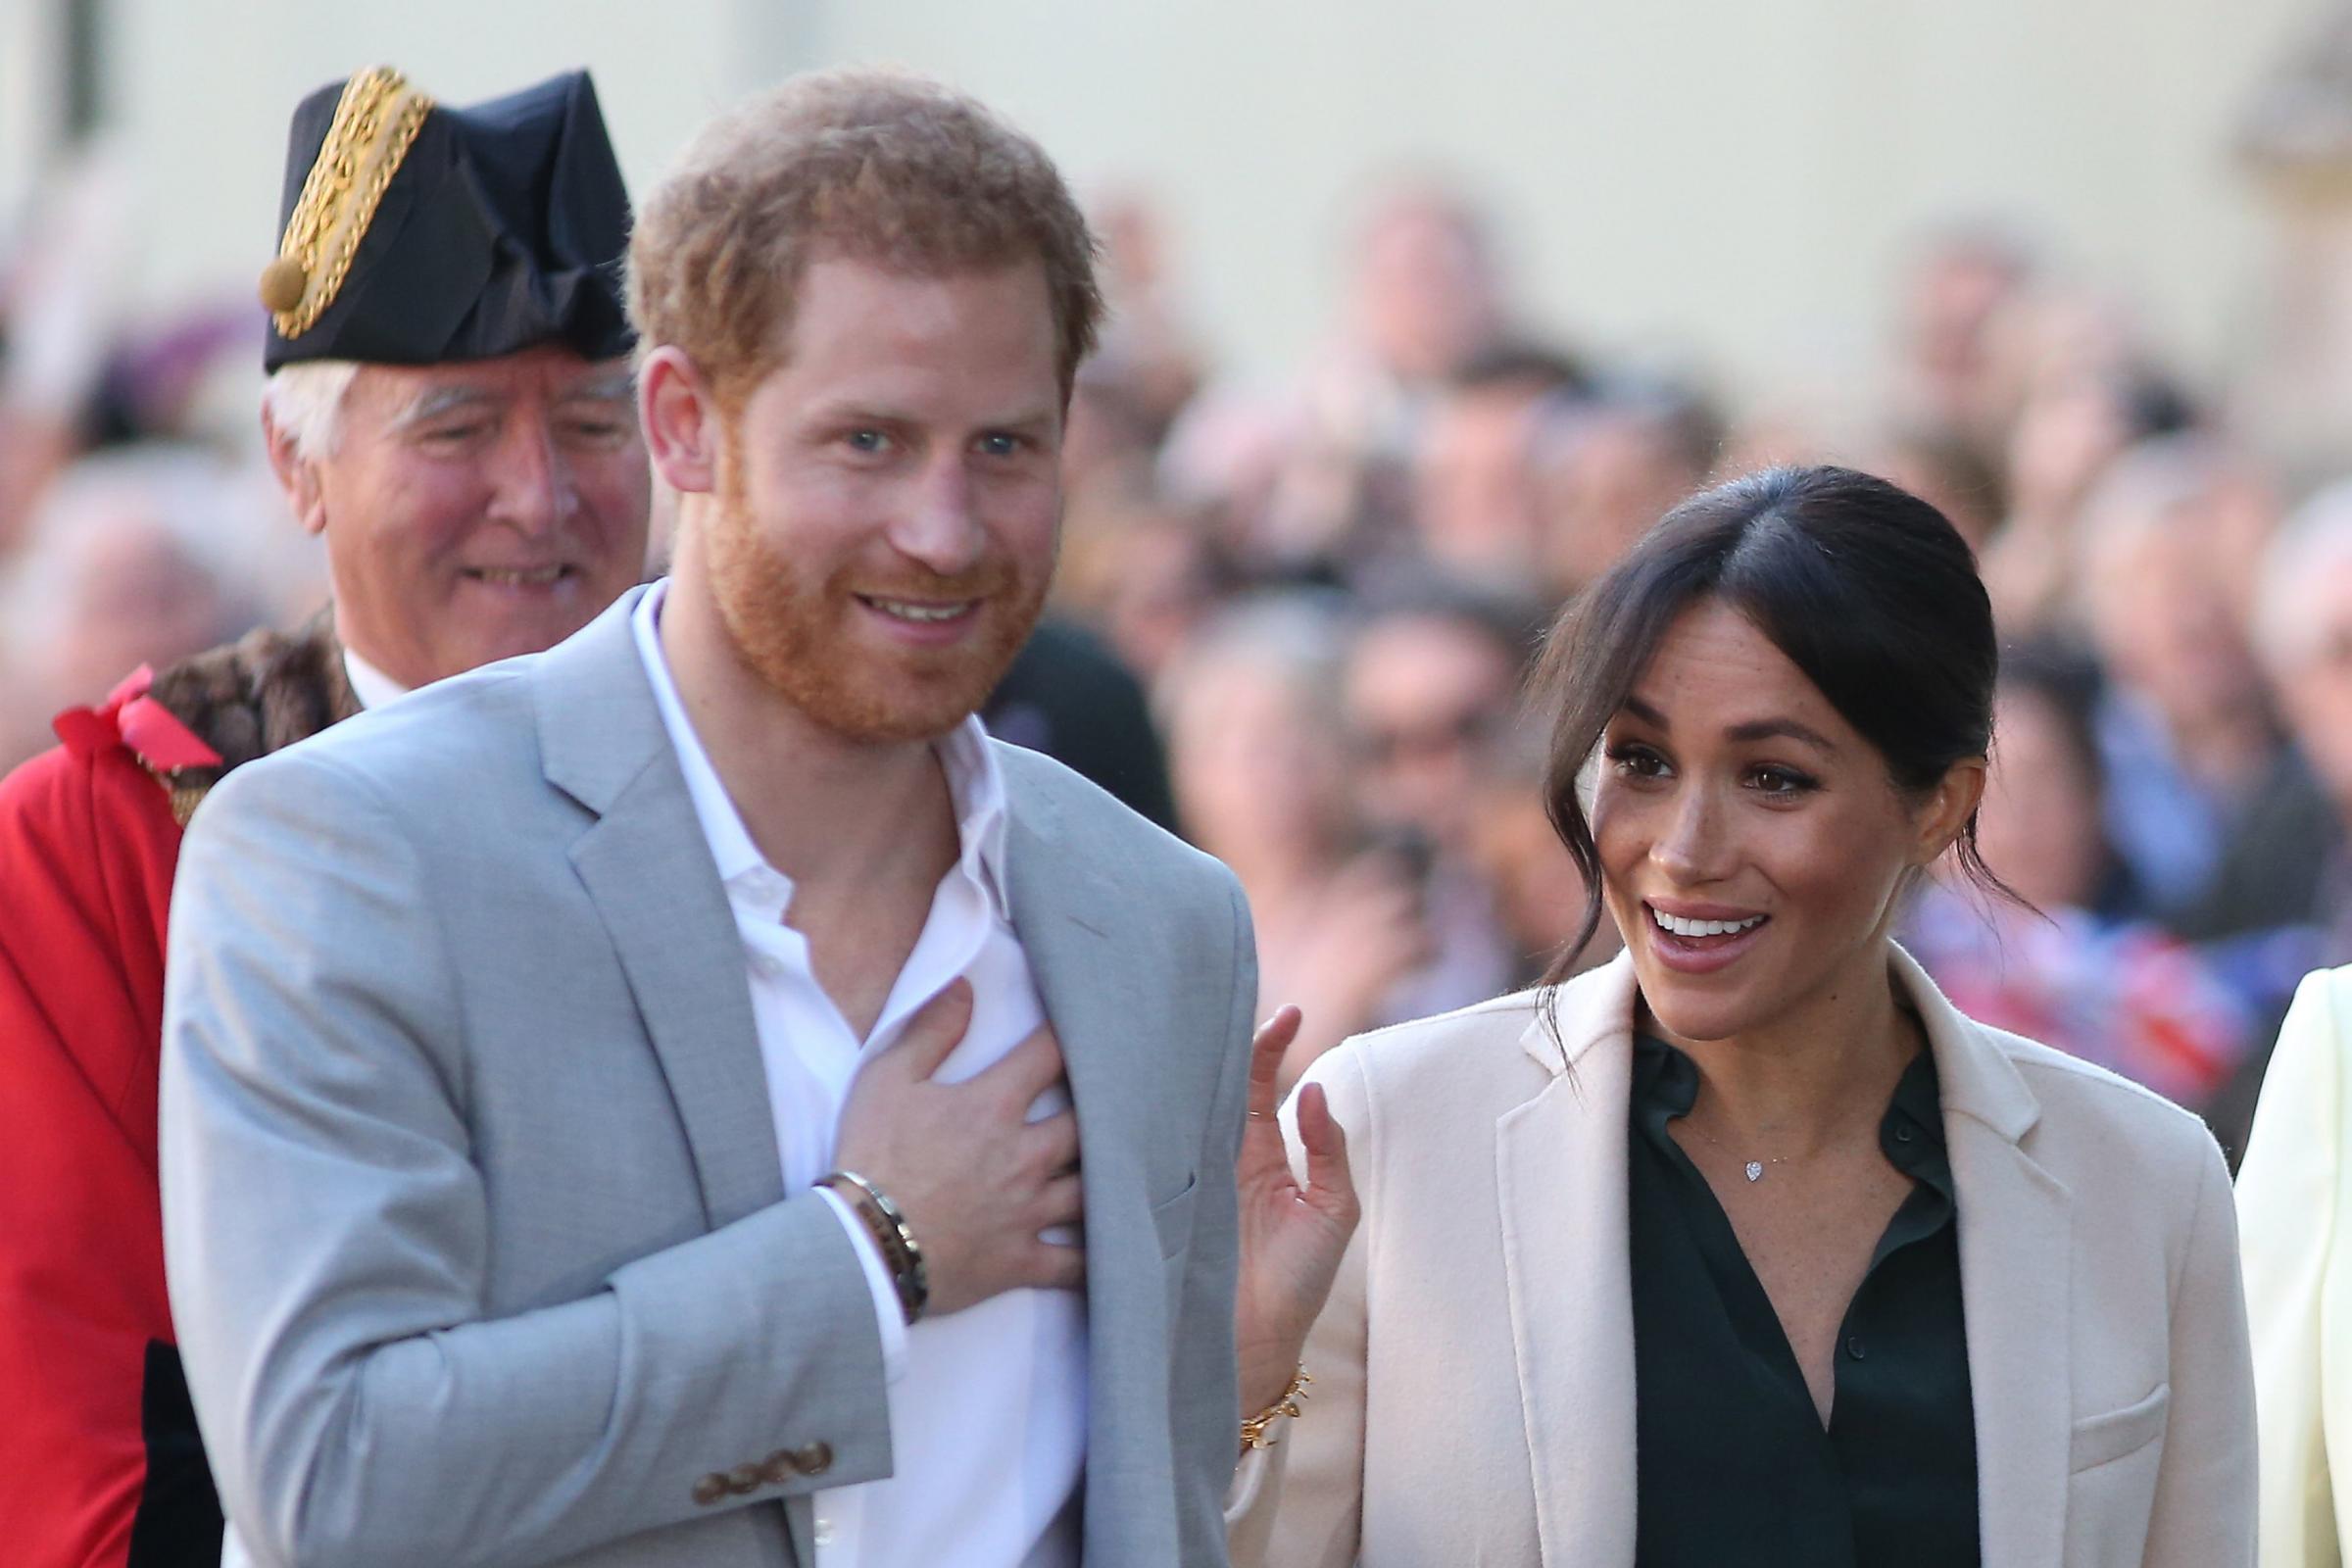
(1638, 761)
(1780, 781)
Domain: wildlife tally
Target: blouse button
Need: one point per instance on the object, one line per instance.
(1902, 1135)
(1853, 1345)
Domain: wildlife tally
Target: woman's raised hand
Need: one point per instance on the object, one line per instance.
(1292, 1234)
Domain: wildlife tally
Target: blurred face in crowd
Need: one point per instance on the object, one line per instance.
(1426, 295)
(1474, 485)
(887, 505)
(1426, 699)
(2066, 435)
(477, 511)
(2040, 829)
(128, 593)
(1152, 586)
(1953, 296)
(2315, 685)
(1738, 806)
(1603, 480)
(2167, 627)
(1256, 762)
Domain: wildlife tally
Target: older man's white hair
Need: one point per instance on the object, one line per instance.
(2310, 560)
(305, 402)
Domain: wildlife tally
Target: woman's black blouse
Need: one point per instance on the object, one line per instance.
(1734, 1465)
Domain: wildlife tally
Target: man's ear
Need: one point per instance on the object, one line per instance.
(1954, 800)
(297, 475)
(680, 414)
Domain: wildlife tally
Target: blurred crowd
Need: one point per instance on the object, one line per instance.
(1332, 587)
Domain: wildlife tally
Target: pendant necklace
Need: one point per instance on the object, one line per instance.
(1753, 1170)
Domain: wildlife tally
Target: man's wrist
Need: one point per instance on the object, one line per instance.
(886, 1224)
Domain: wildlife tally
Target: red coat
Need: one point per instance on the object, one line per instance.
(88, 848)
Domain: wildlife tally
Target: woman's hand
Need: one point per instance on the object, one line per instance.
(1291, 1236)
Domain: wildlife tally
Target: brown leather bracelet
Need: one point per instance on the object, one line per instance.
(902, 1254)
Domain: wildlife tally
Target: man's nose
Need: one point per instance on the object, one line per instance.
(941, 528)
(533, 489)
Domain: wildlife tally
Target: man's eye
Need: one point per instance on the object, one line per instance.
(1001, 446)
(868, 440)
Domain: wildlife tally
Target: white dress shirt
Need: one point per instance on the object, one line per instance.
(370, 685)
(988, 1405)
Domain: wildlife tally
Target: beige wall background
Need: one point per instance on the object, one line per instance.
(1724, 180)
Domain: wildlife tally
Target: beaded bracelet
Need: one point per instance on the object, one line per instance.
(902, 1254)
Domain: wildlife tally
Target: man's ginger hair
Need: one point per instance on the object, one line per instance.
(873, 165)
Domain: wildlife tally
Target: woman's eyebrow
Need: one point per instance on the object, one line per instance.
(1754, 729)
(1765, 729)
(1644, 712)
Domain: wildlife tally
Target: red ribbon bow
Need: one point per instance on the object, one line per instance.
(132, 718)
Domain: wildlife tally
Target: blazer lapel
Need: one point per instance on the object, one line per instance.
(648, 869)
(1569, 1283)
(1088, 950)
(2016, 1255)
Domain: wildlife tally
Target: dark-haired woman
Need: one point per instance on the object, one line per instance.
(1748, 1247)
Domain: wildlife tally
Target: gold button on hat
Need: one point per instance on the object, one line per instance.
(284, 283)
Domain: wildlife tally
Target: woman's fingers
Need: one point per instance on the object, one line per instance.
(1266, 1049)
(1329, 1184)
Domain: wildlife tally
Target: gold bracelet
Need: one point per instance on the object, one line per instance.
(1253, 1430)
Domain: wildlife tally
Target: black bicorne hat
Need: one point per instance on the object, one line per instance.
(418, 234)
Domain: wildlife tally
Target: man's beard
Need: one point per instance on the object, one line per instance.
(795, 635)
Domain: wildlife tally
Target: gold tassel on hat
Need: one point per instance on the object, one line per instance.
(376, 121)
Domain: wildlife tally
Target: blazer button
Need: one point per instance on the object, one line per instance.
(814, 1459)
(744, 1480)
(781, 1467)
(711, 1488)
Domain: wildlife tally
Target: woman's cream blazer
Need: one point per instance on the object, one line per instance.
(2294, 1199)
(1473, 1396)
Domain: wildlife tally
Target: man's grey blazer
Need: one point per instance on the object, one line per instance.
(477, 1243)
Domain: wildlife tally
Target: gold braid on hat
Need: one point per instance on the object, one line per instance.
(376, 121)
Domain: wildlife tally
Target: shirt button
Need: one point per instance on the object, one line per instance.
(824, 1531)
(1853, 1345)
(765, 967)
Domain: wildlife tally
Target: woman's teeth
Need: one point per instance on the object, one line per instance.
(1702, 928)
(905, 610)
(537, 577)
